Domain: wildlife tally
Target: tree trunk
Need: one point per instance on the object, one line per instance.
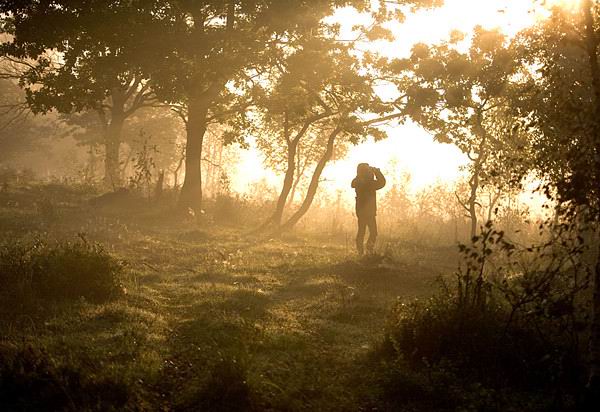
(288, 181)
(113, 128)
(473, 205)
(314, 183)
(158, 190)
(476, 177)
(191, 191)
(472, 201)
(178, 169)
(298, 176)
(292, 195)
(112, 145)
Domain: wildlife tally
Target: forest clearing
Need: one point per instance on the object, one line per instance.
(268, 323)
(293, 205)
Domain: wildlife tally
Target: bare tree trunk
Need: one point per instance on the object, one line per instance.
(299, 173)
(474, 184)
(292, 195)
(314, 183)
(493, 200)
(113, 129)
(158, 190)
(112, 144)
(178, 168)
(191, 191)
(197, 122)
(288, 182)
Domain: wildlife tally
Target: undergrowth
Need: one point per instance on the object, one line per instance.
(33, 272)
(508, 335)
(31, 380)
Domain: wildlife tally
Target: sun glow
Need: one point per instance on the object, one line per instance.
(409, 150)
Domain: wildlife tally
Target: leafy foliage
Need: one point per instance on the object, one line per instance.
(31, 380)
(98, 51)
(515, 319)
(557, 105)
(39, 271)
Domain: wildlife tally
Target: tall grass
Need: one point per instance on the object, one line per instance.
(38, 271)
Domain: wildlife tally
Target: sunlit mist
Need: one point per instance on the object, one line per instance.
(300, 205)
(410, 150)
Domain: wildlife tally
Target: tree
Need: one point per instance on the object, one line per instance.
(293, 112)
(350, 95)
(20, 132)
(560, 108)
(461, 99)
(213, 51)
(83, 55)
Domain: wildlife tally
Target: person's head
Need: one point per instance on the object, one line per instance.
(364, 171)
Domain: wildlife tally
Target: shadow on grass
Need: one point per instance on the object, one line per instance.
(288, 348)
(207, 368)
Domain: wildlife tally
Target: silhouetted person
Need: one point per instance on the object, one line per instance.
(367, 181)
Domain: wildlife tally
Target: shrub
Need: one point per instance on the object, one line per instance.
(513, 323)
(31, 380)
(438, 356)
(226, 389)
(231, 210)
(476, 342)
(34, 271)
(46, 209)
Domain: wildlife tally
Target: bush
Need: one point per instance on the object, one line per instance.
(437, 356)
(513, 324)
(236, 210)
(476, 342)
(40, 271)
(226, 390)
(30, 380)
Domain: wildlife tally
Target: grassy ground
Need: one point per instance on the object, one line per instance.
(213, 319)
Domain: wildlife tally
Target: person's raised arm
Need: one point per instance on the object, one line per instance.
(379, 178)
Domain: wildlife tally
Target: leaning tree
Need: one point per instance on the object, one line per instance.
(297, 109)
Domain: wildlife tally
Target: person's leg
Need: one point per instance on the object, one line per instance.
(360, 235)
(372, 224)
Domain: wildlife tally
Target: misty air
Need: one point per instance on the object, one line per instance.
(283, 205)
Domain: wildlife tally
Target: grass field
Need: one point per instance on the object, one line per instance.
(210, 318)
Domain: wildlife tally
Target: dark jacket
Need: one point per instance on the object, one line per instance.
(366, 200)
